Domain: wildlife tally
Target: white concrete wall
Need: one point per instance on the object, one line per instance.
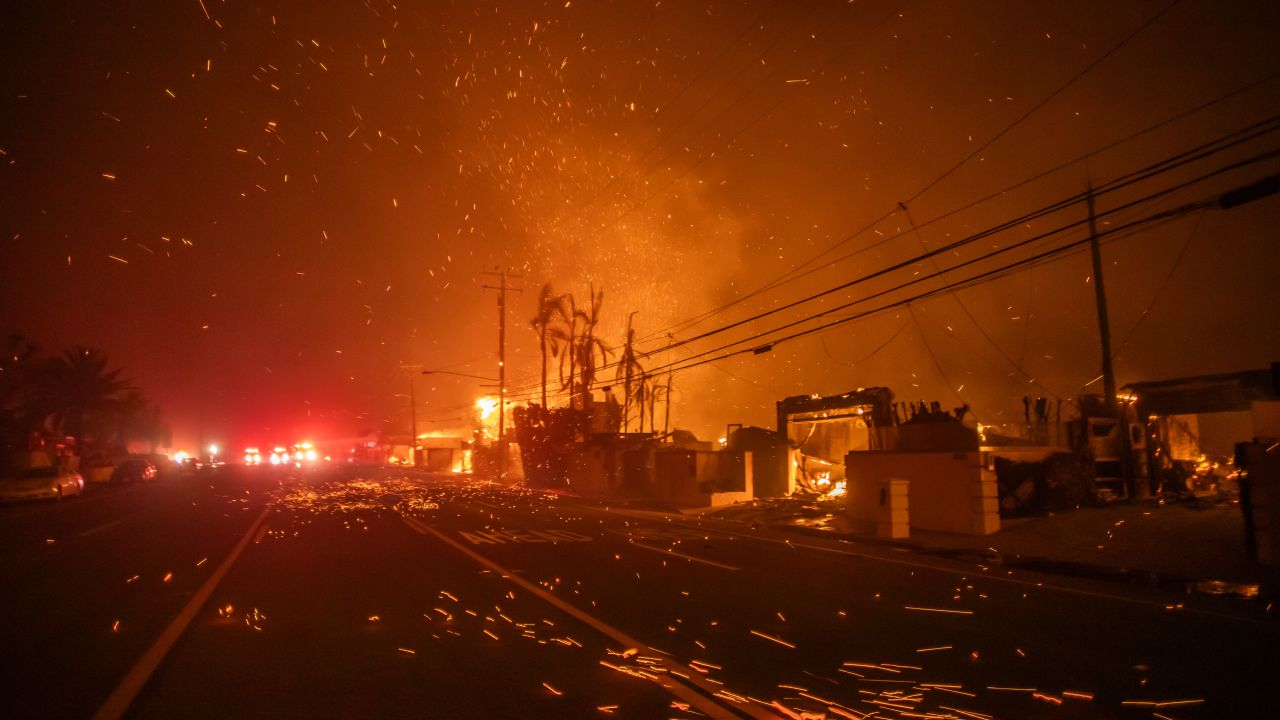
(748, 491)
(587, 473)
(680, 484)
(879, 507)
(947, 491)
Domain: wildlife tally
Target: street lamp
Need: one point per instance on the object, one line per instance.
(502, 410)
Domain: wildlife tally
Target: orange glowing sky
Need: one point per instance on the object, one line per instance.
(262, 213)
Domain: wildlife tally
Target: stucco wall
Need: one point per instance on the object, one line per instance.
(947, 491)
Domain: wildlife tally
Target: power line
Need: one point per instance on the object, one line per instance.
(1009, 248)
(965, 309)
(788, 276)
(936, 364)
(1166, 165)
(1162, 166)
(748, 381)
(869, 355)
(1199, 152)
(1049, 98)
(1010, 376)
(1053, 207)
(1177, 262)
(971, 281)
(1253, 191)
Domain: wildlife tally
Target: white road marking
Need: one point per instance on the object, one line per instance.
(118, 702)
(665, 551)
(100, 528)
(679, 690)
(501, 537)
(653, 516)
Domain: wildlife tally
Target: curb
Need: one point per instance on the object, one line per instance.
(1266, 589)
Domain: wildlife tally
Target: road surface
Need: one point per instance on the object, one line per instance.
(249, 592)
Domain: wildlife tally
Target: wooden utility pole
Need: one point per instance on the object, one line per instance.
(413, 413)
(502, 288)
(628, 363)
(666, 418)
(1100, 293)
(1104, 327)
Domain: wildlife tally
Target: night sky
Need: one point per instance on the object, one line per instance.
(261, 210)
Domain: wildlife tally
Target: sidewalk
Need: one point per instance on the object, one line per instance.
(1179, 540)
(1146, 543)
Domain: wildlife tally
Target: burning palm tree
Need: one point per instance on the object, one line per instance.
(552, 327)
(567, 310)
(585, 347)
(629, 368)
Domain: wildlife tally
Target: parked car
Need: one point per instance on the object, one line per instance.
(97, 469)
(41, 483)
(133, 470)
(162, 462)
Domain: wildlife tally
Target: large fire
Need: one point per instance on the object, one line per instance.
(487, 415)
(827, 488)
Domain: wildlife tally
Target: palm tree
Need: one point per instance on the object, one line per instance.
(643, 396)
(121, 418)
(659, 394)
(629, 368)
(567, 310)
(79, 391)
(588, 347)
(130, 417)
(549, 323)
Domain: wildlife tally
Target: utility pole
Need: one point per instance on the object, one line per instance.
(666, 418)
(1104, 327)
(413, 424)
(502, 288)
(413, 413)
(628, 362)
(1100, 293)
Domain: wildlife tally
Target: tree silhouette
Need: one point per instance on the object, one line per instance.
(629, 368)
(552, 328)
(567, 310)
(585, 348)
(79, 393)
(130, 417)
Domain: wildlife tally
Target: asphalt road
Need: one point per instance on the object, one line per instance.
(254, 593)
